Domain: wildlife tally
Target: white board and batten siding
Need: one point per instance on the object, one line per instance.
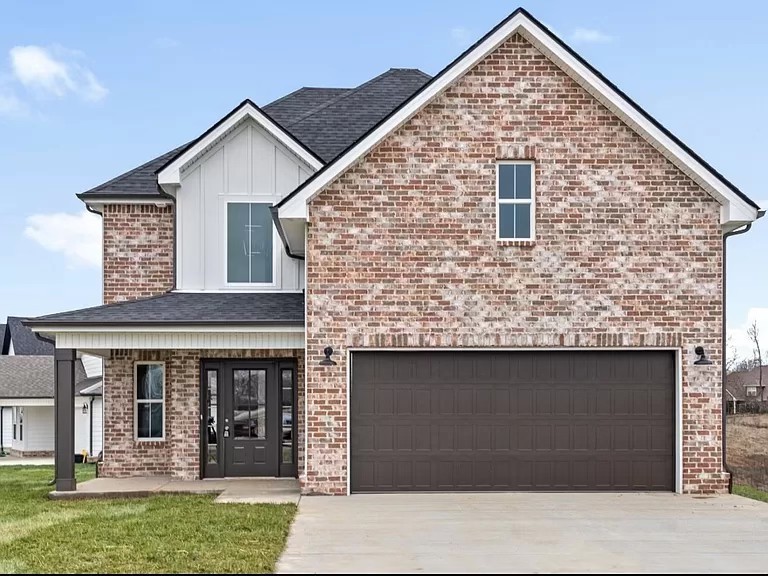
(7, 425)
(38, 429)
(83, 425)
(247, 165)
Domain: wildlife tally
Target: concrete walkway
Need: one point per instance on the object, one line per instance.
(230, 490)
(527, 533)
(27, 461)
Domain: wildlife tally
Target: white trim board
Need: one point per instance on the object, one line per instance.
(6, 402)
(95, 341)
(170, 177)
(678, 473)
(735, 210)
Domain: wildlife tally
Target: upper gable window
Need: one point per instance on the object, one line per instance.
(515, 193)
(250, 239)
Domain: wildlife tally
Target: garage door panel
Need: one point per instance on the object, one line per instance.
(553, 424)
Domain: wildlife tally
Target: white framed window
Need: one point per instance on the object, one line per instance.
(515, 200)
(149, 396)
(250, 244)
(751, 390)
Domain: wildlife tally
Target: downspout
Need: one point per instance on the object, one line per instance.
(724, 351)
(90, 428)
(2, 422)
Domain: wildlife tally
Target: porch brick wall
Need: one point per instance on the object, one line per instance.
(402, 249)
(179, 454)
(137, 251)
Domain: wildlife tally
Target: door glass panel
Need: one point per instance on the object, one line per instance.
(212, 402)
(249, 390)
(286, 384)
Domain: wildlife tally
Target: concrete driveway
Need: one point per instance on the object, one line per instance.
(527, 533)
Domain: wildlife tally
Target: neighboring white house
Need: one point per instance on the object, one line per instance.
(26, 396)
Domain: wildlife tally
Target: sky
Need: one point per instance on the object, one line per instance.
(90, 89)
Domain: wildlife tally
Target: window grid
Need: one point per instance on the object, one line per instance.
(515, 201)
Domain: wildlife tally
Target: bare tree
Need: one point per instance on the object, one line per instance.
(732, 359)
(753, 332)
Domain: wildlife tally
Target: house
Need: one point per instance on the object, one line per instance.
(504, 277)
(27, 398)
(745, 386)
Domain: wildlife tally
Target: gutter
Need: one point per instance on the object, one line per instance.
(274, 210)
(737, 232)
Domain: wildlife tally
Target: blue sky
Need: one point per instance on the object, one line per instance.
(91, 89)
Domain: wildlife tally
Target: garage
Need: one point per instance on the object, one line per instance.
(512, 420)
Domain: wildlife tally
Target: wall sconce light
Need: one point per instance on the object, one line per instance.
(327, 360)
(85, 408)
(703, 360)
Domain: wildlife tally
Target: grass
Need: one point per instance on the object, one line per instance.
(747, 447)
(167, 533)
(749, 492)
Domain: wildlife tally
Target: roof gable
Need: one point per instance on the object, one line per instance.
(169, 174)
(25, 342)
(737, 208)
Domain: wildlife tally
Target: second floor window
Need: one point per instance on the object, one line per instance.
(249, 243)
(515, 208)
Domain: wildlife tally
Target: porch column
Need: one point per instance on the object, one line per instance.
(64, 402)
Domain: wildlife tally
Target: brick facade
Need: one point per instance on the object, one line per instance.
(179, 454)
(402, 249)
(138, 250)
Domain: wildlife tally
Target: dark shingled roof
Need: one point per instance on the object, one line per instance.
(329, 128)
(25, 343)
(325, 120)
(190, 308)
(139, 181)
(30, 376)
(86, 383)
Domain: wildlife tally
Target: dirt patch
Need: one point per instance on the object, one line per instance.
(747, 447)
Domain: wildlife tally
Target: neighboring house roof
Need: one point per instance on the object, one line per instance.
(2, 338)
(25, 342)
(325, 120)
(30, 376)
(191, 309)
(737, 382)
(740, 208)
(89, 386)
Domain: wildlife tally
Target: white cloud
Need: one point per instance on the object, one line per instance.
(76, 236)
(167, 43)
(741, 342)
(11, 106)
(461, 36)
(590, 36)
(55, 71)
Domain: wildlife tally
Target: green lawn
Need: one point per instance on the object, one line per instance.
(749, 492)
(172, 533)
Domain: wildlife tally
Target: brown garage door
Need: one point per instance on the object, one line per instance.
(565, 420)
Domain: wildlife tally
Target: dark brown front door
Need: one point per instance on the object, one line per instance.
(543, 420)
(249, 416)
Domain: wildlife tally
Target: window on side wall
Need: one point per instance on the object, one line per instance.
(515, 201)
(250, 250)
(150, 400)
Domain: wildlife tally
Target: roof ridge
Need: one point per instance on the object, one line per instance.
(340, 97)
(299, 90)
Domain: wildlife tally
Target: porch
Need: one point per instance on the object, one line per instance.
(229, 490)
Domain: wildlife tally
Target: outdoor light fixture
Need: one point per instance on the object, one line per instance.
(703, 360)
(327, 360)
(85, 408)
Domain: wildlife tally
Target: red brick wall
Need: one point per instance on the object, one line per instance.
(402, 249)
(138, 251)
(179, 454)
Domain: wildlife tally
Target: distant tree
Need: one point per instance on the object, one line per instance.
(731, 356)
(753, 332)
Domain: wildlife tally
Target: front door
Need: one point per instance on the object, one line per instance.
(249, 415)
